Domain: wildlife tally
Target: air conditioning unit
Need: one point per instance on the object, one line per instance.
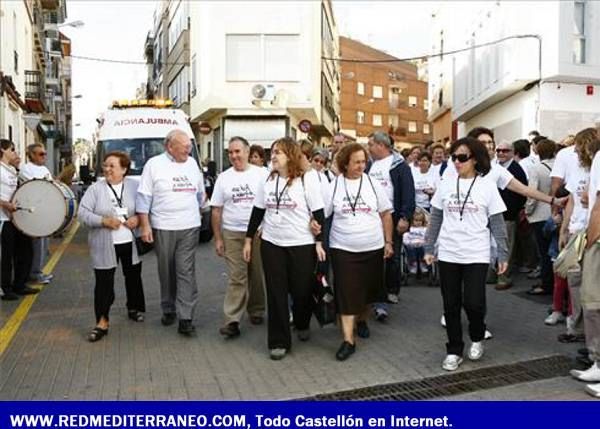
(264, 92)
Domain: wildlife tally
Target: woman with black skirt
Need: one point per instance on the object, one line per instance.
(286, 202)
(360, 239)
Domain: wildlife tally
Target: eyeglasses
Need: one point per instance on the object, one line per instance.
(318, 161)
(503, 150)
(41, 153)
(461, 157)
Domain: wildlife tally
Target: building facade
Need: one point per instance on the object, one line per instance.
(547, 78)
(386, 96)
(35, 77)
(258, 75)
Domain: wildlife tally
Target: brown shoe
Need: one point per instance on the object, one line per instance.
(257, 320)
(503, 286)
(231, 330)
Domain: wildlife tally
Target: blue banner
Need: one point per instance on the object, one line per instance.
(297, 414)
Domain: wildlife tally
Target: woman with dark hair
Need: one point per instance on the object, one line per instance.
(289, 252)
(360, 239)
(108, 210)
(257, 155)
(463, 211)
(17, 248)
(426, 181)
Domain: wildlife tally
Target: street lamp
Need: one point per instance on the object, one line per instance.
(74, 24)
(77, 96)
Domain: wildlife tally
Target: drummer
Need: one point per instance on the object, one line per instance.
(16, 246)
(36, 169)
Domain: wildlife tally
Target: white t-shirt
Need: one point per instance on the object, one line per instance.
(358, 230)
(8, 186)
(565, 163)
(173, 187)
(436, 168)
(32, 171)
(497, 174)
(323, 181)
(527, 164)
(380, 171)
(235, 192)
(577, 185)
(594, 187)
(289, 209)
(422, 181)
(466, 241)
(123, 234)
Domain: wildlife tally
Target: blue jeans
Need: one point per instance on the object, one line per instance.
(415, 254)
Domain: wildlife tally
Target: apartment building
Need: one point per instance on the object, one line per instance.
(386, 96)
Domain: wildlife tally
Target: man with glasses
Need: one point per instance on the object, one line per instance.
(36, 169)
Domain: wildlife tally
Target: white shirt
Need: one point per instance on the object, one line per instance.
(577, 185)
(565, 163)
(173, 187)
(594, 187)
(528, 164)
(422, 181)
(235, 192)
(32, 171)
(8, 186)
(356, 225)
(289, 209)
(321, 177)
(123, 234)
(380, 171)
(466, 241)
(437, 167)
(497, 174)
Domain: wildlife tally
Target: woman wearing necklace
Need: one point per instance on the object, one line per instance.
(463, 213)
(360, 239)
(108, 210)
(289, 251)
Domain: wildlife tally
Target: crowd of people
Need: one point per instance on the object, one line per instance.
(477, 210)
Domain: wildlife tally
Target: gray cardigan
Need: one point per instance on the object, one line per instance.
(95, 205)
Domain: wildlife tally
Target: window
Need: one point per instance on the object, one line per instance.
(178, 88)
(393, 121)
(579, 45)
(360, 117)
(377, 120)
(412, 101)
(177, 24)
(377, 91)
(412, 127)
(425, 128)
(360, 88)
(262, 57)
(426, 104)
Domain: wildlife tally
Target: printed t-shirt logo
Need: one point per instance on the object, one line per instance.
(285, 201)
(242, 194)
(361, 206)
(455, 206)
(183, 184)
(378, 175)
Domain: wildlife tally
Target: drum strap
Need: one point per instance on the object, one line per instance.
(119, 199)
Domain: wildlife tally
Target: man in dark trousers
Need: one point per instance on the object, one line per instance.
(514, 204)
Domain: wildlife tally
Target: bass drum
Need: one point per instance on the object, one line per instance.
(44, 208)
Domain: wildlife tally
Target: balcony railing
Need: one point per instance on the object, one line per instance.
(51, 18)
(33, 84)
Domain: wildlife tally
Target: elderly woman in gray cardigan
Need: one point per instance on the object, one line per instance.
(108, 210)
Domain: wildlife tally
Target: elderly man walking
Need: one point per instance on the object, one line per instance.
(169, 200)
(36, 169)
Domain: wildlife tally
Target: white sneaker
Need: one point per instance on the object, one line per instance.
(488, 335)
(570, 322)
(412, 269)
(554, 318)
(593, 389)
(443, 321)
(476, 350)
(452, 362)
(592, 374)
(393, 298)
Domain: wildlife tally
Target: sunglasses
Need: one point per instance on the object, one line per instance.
(41, 154)
(502, 150)
(461, 157)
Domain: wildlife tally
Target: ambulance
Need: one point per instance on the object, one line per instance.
(139, 128)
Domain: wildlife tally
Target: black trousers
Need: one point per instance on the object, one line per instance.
(392, 267)
(463, 286)
(543, 243)
(288, 270)
(17, 255)
(104, 292)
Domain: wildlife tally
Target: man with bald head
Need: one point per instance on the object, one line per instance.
(169, 199)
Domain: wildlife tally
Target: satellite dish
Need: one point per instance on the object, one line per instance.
(259, 91)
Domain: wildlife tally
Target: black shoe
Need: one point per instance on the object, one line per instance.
(27, 291)
(97, 334)
(186, 327)
(9, 296)
(231, 330)
(584, 360)
(345, 351)
(168, 319)
(570, 338)
(583, 351)
(362, 329)
(135, 315)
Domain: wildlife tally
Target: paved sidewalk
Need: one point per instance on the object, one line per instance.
(49, 358)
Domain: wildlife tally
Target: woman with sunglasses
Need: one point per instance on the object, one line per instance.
(463, 211)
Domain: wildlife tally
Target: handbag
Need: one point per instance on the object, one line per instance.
(143, 247)
(571, 254)
(324, 301)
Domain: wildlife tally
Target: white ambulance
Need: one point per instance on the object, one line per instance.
(139, 128)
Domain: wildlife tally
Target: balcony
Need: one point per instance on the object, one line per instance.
(34, 90)
(50, 4)
(51, 21)
(54, 47)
